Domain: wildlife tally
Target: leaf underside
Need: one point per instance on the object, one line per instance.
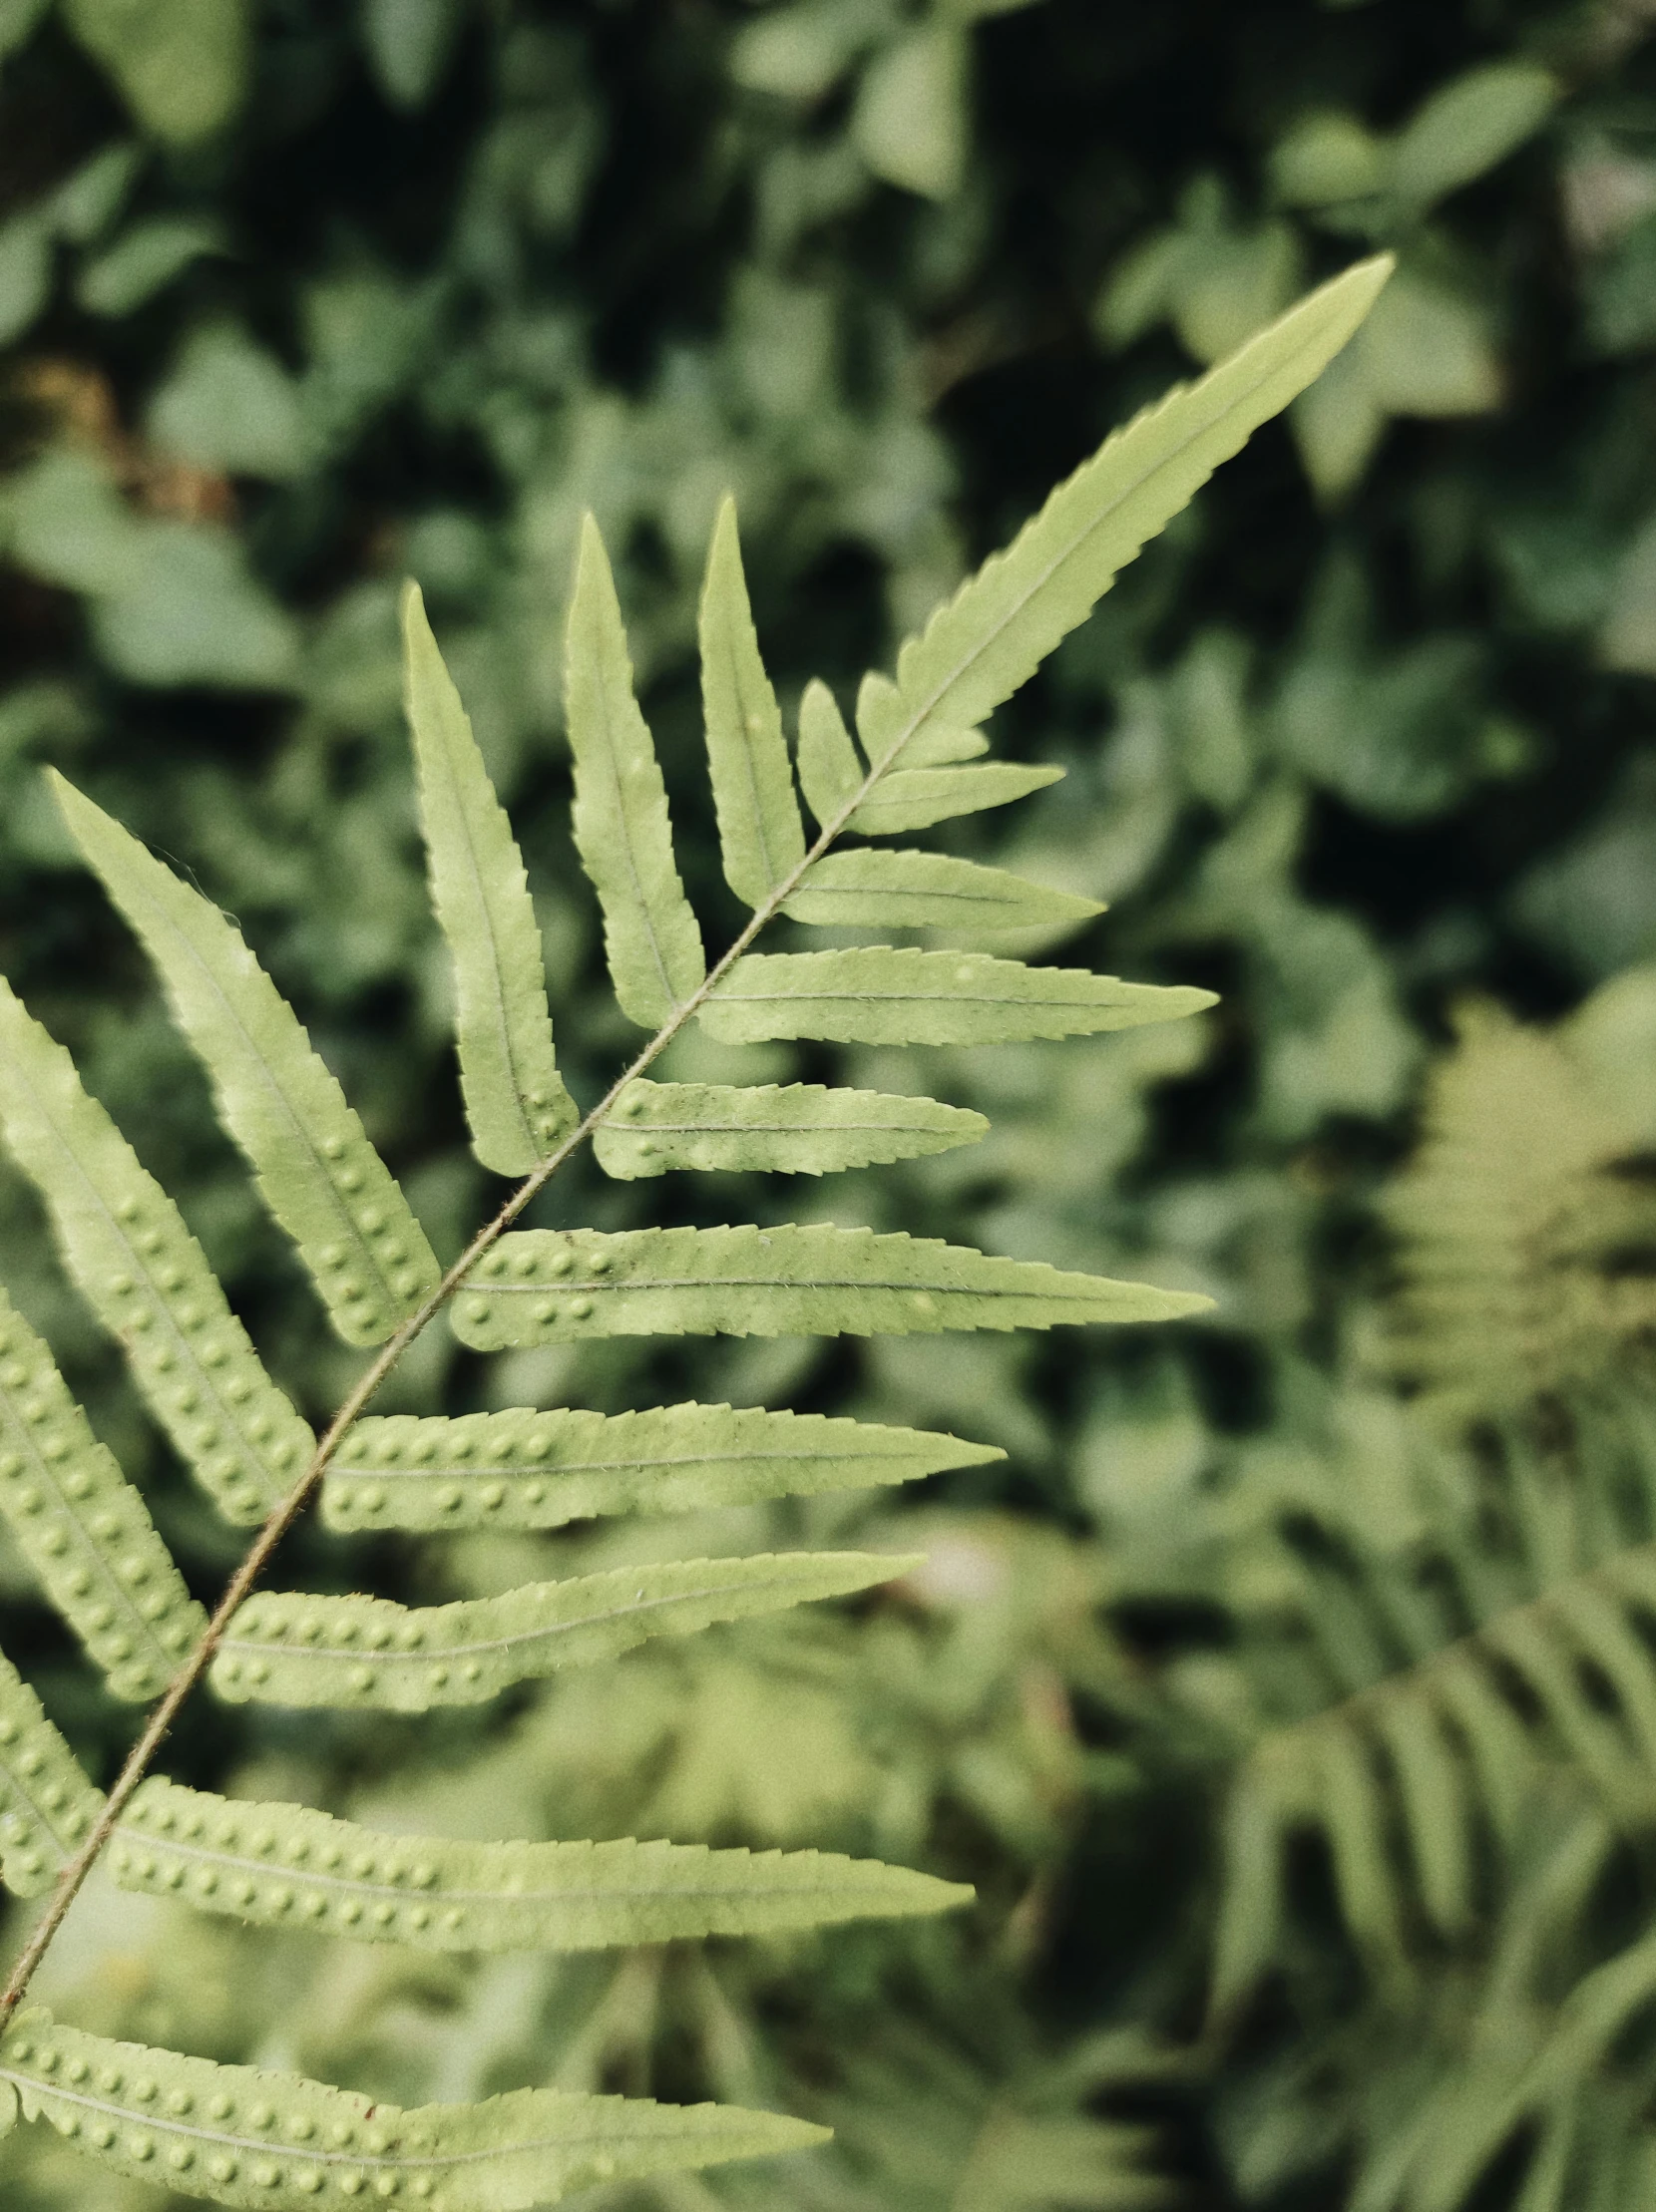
(321, 1178)
(146, 1277)
(293, 1650)
(516, 1101)
(249, 2137)
(542, 1287)
(47, 1805)
(83, 1528)
(799, 1129)
(286, 1866)
(522, 1469)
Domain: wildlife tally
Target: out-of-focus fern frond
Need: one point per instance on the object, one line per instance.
(1524, 1227)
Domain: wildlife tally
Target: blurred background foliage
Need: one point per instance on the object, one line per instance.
(1289, 1693)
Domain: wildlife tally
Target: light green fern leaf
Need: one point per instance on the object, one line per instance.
(883, 996)
(246, 2136)
(1004, 621)
(797, 1129)
(913, 798)
(48, 1808)
(286, 1866)
(321, 1178)
(650, 936)
(526, 1470)
(83, 1528)
(146, 1277)
(544, 1286)
(866, 890)
(830, 772)
(761, 837)
(516, 1101)
(291, 1650)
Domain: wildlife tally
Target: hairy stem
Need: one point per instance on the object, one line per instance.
(142, 1756)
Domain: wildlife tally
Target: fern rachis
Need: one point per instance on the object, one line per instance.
(242, 2137)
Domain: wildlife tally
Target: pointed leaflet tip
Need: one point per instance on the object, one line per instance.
(515, 1103)
(980, 645)
(761, 837)
(622, 830)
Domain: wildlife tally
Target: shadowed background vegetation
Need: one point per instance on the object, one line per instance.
(1290, 1690)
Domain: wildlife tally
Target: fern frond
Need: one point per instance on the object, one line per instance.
(650, 936)
(881, 995)
(866, 890)
(286, 1866)
(291, 1650)
(544, 1286)
(526, 1470)
(761, 837)
(1521, 1631)
(248, 2138)
(913, 798)
(48, 1808)
(83, 1528)
(517, 1105)
(1520, 1240)
(321, 1178)
(1002, 623)
(800, 1129)
(146, 1277)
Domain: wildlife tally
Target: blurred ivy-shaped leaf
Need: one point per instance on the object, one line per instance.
(180, 65)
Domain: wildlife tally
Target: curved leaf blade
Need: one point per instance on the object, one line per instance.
(321, 1178)
(517, 1106)
(545, 1286)
(761, 837)
(792, 1129)
(651, 937)
(284, 1866)
(915, 798)
(866, 890)
(830, 770)
(82, 1527)
(521, 1469)
(1002, 623)
(146, 1277)
(373, 1654)
(879, 995)
(48, 1808)
(246, 2136)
